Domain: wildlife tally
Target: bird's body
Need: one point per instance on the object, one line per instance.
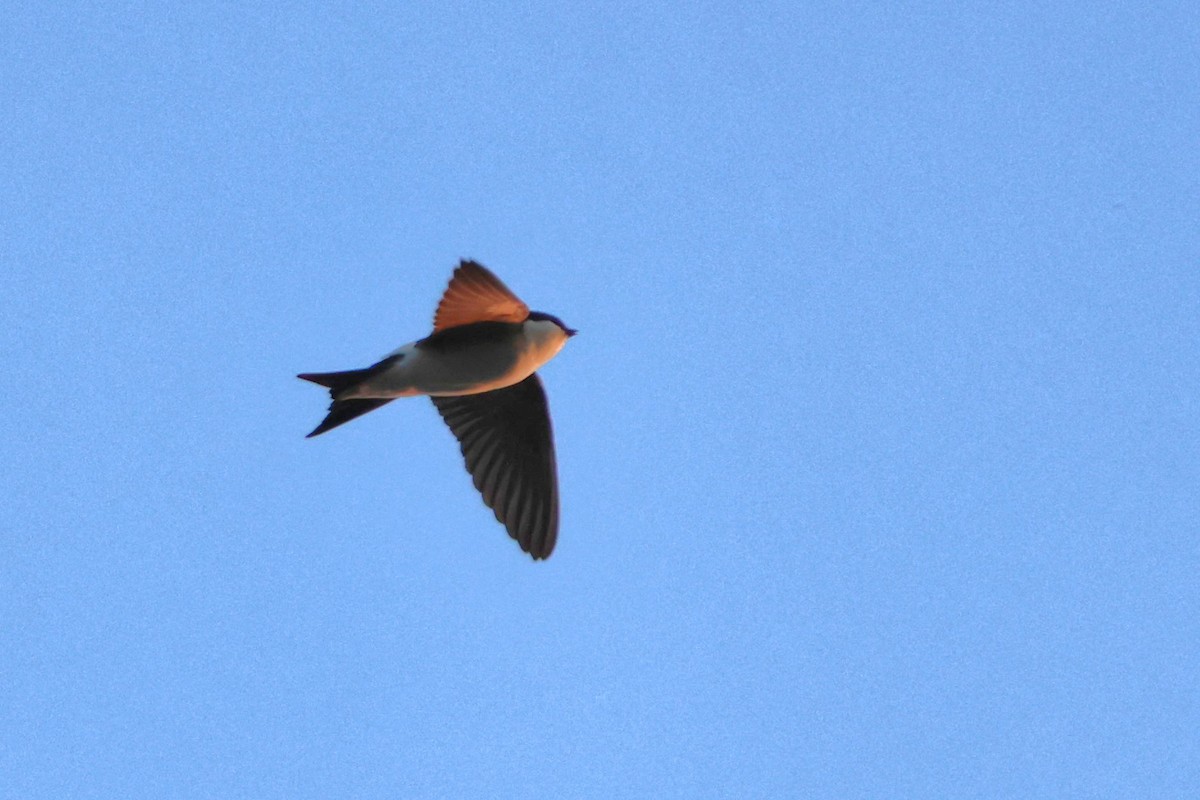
(468, 359)
(479, 368)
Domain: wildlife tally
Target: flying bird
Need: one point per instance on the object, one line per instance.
(479, 369)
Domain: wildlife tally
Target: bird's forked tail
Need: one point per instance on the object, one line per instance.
(342, 411)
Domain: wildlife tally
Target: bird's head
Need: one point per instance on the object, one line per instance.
(539, 316)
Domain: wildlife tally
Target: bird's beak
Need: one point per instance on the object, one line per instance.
(571, 332)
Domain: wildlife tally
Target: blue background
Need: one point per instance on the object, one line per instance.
(878, 448)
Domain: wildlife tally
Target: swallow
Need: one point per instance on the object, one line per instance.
(479, 367)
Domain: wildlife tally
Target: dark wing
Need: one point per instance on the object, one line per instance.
(508, 445)
(476, 295)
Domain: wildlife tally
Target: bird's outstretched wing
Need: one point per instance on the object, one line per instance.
(508, 447)
(476, 295)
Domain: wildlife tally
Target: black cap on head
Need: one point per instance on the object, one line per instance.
(541, 315)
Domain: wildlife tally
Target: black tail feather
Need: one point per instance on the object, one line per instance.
(342, 411)
(337, 381)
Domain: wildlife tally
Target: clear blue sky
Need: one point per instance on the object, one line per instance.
(879, 453)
